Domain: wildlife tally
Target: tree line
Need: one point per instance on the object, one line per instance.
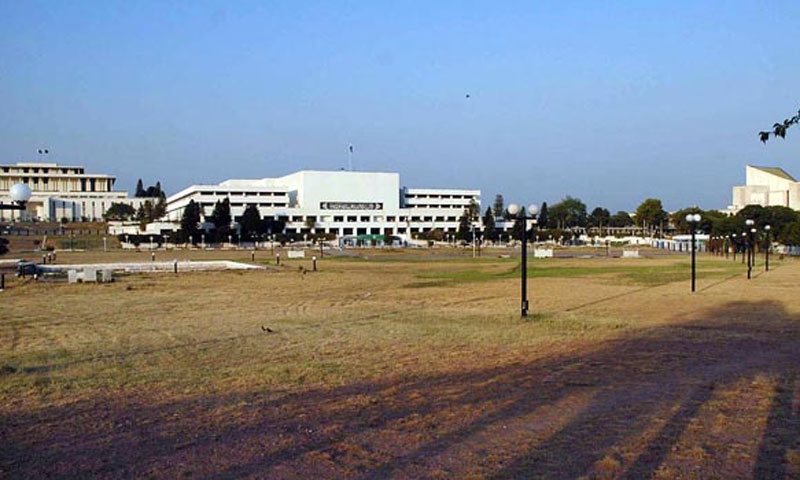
(251, 225)
(559, 219)
(153, 191)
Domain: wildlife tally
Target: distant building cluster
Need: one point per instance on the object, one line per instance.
(61, 192)
(340, 203)
(766, 186)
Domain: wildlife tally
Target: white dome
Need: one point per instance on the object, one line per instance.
(19, 192)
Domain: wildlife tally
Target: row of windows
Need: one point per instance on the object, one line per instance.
(365, 230)
(245, 194)
(368, 219)
(43, 170)
(90, 186)
(463, 205)
(239, 204)
(435, 195)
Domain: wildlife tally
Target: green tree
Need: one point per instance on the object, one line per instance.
(190, 222)
(709, 220)
(569, 212)
(139, 189)
(274, 225)
(120, 212)
(498, 208)
(221, 217)
(543, 217)
(621, 219)
(145, 213)
(489, 228)
(599, 218)
(790, 234)
(473, 210)
(159, 209)
(251, 224)
(650, 215)
(464, 232)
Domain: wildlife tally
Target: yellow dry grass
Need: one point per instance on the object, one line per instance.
(606, 327)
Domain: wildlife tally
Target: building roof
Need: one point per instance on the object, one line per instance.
(777, 171)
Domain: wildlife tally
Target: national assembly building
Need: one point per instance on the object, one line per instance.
(335, 202)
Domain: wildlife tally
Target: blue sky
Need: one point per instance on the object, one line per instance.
(611, 102)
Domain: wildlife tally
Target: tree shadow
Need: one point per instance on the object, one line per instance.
(782, 432)
(437, 424)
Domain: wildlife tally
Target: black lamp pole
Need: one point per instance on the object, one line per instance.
(524, 283)
(694, 264)
(749, 252)
(749, 255)
(523, 216)
(766, 253)
(693, 219)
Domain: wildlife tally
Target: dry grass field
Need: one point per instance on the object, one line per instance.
(404, 365)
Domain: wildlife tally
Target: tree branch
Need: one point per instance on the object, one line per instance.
(779, 129)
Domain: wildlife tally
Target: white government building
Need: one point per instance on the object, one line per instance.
(335, 202)
(61, 191)
(766, 186)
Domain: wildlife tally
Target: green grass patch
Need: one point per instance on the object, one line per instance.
(643, 275)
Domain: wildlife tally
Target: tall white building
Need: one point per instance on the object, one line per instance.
(766, 186)
(336, 202)
(61, 191)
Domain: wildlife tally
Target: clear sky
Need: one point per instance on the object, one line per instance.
(608, 101)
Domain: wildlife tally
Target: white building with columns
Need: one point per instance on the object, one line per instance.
(335, 202)
(61, 191)
(766, 186)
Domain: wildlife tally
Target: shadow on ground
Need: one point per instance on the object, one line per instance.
(618, 411)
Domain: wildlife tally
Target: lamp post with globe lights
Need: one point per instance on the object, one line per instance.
(727, 246)
(767, 228)
(515, 211)
(20, 194)
(749, 235)
(693, 219)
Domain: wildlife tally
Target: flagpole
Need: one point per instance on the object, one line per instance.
(350, 157)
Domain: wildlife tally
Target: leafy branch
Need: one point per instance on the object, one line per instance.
(779, 129)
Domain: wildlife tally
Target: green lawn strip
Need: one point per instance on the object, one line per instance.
(633, 274)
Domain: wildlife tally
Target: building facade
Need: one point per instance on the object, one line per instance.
(766, 186)
(61, 191)
(335, 202)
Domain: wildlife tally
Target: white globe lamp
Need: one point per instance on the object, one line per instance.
(20, 193)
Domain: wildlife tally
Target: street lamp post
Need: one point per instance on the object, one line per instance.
(734, 245)
(516, 211)
(693, 219)
(20, 193)
(767, 228)
(745, 248)
(749, 235)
